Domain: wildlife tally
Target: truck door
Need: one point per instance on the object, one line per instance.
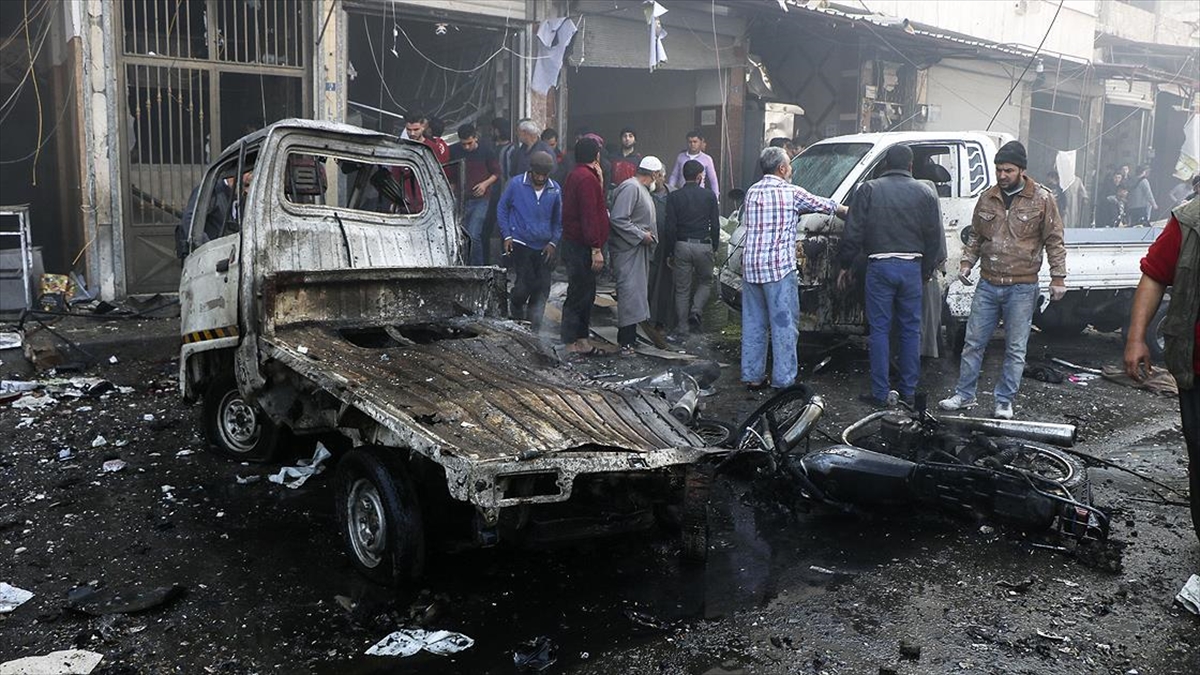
(208, 288)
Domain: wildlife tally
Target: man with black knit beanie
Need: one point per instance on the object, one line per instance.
(1014, 222)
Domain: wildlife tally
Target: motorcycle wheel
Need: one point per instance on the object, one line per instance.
(1042, 460)
(774, 416)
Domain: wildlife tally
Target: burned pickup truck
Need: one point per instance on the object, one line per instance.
(331, 303)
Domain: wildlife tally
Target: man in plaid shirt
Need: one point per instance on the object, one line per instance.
(770, 295)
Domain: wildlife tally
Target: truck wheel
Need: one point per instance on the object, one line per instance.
(380, 517)
(234, 427)
(1154, 335)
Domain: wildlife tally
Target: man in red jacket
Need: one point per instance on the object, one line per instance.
(584, 233)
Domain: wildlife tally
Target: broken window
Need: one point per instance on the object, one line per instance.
(393, 188)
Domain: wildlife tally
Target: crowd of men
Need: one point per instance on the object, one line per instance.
(594, 210)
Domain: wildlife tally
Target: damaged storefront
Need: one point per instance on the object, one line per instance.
(459, 62)
(619, 75)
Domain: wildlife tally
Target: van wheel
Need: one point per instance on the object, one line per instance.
(380, 516)
(234, 427)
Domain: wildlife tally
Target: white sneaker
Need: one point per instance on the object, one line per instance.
(956, 402)
(1004, 411)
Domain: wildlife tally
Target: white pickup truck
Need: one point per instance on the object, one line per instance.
(1102, 264)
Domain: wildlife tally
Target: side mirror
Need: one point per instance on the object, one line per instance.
(736, 194)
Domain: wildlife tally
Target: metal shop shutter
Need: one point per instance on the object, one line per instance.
(610, 42)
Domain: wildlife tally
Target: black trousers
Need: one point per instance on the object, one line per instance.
(528, 297)
(581, 291)
(1189, 411)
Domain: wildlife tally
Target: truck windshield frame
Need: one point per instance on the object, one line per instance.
(821, 169)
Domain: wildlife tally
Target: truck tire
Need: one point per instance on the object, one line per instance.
(235, 428)
(379, 516)
(1155, 341)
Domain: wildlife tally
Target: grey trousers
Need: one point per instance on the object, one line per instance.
(693, 280)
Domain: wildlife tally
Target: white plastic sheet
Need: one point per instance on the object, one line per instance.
(295, 476)
(65, 662)
(1189, 596)
(12, 597)
(409, 641)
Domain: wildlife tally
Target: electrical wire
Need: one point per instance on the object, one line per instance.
(49, 135)
(28, 71)
(38, 10)
(1032, 56)
(37, 94)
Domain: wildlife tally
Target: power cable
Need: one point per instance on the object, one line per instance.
(37, 94)
(1017, 82)
(28, 71)
(49, 135)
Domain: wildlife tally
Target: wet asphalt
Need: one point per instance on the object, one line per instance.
(786, 588)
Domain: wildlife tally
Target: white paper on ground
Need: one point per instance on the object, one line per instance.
(1189, 596)
(12, 597)
(295, 476)
(66, 662)
(409, 641)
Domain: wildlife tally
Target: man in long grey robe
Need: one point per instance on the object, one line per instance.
(631, 244)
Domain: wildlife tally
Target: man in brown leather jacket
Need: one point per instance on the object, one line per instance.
(1014, 222)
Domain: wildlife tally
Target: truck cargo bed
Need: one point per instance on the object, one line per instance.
(478, 388)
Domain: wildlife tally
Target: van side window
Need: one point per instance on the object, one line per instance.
(209, 213)
(977, 172)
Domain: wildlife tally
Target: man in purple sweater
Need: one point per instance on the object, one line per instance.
(695, 141)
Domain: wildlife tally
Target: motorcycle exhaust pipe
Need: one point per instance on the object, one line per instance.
(805, 423)
(685, 408)
(1062, 435)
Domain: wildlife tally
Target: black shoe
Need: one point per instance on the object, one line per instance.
(873, 402)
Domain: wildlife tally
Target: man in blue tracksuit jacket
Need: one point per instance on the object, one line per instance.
(530, 219)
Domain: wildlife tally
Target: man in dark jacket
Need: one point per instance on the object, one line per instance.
(895, 221)
(585, 232)
(694, 227)
(530, 219)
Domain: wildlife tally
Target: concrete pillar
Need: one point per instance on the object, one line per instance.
(330, 56)
(100, 164)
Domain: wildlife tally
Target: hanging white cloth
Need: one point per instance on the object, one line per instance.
(658, 53)
(554, 35)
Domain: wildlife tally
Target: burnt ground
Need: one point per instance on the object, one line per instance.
(268, 589)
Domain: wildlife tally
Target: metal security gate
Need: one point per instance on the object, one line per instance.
(198, 75)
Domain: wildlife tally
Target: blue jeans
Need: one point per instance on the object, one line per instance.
(474, 215)
(1015, 305)
(771, 312)
(894, 290)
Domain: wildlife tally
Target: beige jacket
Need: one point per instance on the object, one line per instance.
(1008, 243)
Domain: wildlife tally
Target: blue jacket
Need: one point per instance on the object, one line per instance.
(530, 221)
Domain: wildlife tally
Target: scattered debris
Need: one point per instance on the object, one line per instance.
(1072, 366)
(1158, 381)
(821, 570)
(99, 441)
(246, 480)
(113, 465)
(1044, 374)
(12, 597)
(1052, 636)
(535, 655)
(910, 651)
(65, 662)
(97, 602)
(17, 386)
(185, 452)
(112, 360)
(299, 474)
(1018, 586)
(34, 402)
(10, 340)
(409, 641)
(1068, 583)
(1189, 595)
